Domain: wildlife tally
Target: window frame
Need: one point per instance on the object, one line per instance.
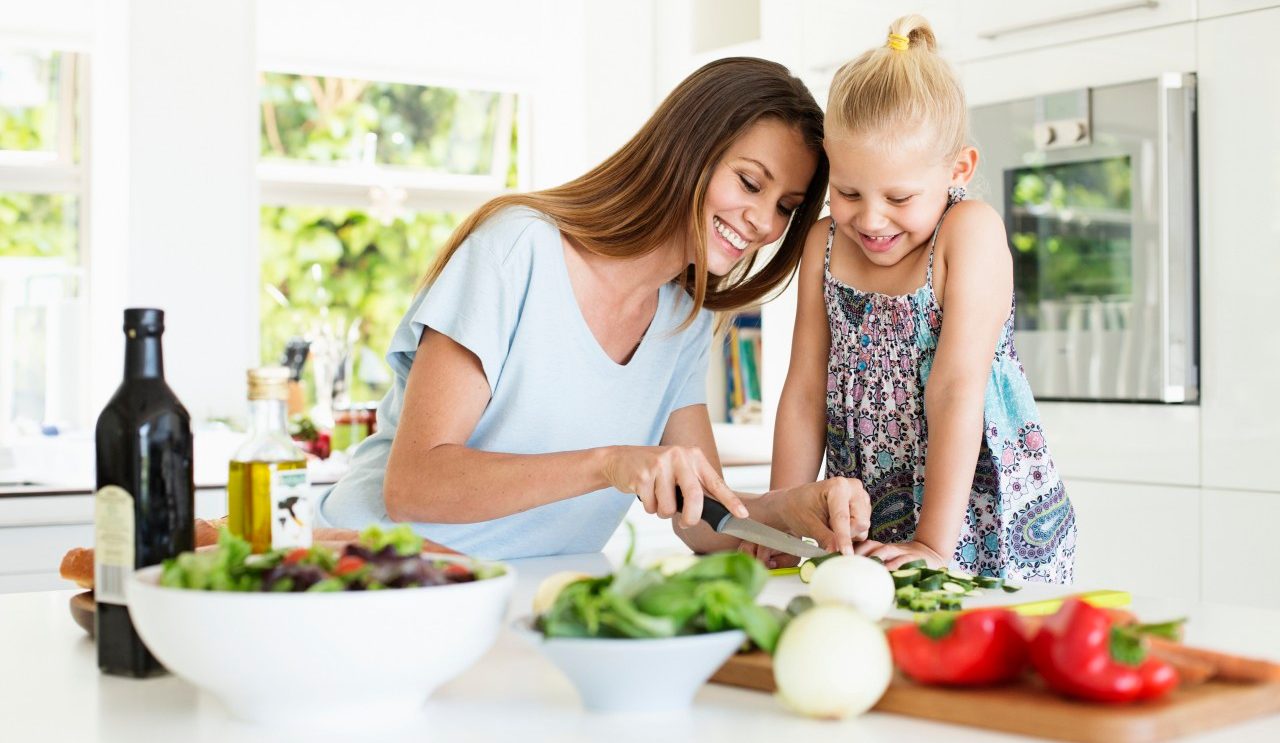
(63, 171)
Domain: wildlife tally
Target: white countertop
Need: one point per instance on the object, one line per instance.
(50, 688)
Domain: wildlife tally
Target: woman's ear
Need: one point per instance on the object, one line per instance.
(966, 164)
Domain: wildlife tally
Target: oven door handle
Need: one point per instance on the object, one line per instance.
(1178, 287)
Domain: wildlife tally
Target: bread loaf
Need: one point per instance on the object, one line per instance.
(77, 564)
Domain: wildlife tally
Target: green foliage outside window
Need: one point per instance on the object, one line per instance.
(329, 119)
(332, 265)
(341, 260)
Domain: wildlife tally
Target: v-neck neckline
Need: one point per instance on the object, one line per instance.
(587, 336)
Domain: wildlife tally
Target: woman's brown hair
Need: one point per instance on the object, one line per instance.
(652, 190)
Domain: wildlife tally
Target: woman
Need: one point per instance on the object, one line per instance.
(554, 366)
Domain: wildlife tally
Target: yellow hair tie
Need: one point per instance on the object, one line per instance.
(899, 43)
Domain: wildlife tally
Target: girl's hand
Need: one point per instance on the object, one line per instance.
(836, 512)
(653, 472)
(895, 554)
(770, 557)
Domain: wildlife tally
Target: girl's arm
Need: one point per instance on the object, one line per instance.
(979, 285)
(433, 476)
(799, 436)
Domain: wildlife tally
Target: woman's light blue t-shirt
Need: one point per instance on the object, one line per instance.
(506, 296)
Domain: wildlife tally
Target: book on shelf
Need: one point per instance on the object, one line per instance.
(743, 394)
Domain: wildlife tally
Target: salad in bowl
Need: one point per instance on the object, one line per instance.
(280, 638)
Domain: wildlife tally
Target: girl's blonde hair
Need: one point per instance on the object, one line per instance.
(896, 88)
(654, 189)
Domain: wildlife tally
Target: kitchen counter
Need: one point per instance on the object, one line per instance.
(51, 688)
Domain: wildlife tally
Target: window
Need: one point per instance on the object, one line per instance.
(361, 183)
(42, 313)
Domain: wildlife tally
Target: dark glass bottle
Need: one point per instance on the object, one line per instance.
(144, 509)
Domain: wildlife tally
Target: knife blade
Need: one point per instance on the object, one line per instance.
(723, 522)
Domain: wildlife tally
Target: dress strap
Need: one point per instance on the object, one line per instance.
(955, 196)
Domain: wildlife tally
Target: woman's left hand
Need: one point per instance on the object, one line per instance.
(895, 554)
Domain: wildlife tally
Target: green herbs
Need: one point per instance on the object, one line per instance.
(921, 588)
(715, 593)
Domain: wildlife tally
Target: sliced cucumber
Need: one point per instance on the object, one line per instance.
(951, 587)
(932, 583)
(1011, 589)
(905, 577)
(807, 569)
(914, 564)
(986, 581)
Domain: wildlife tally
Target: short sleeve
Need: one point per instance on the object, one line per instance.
(693, 384)
(471, 302)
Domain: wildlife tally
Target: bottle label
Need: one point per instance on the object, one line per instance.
(113, 535)
(291, 512)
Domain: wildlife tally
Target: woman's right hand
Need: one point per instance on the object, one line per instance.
(652, 473)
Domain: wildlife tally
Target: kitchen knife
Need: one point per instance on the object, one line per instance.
(723, 522)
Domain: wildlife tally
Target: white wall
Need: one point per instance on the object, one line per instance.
(173, 135)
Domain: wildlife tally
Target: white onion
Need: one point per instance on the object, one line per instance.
(831, 662)
(855, 581)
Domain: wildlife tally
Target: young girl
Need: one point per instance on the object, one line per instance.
(936, 419)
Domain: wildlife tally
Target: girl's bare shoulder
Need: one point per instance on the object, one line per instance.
(973, 231)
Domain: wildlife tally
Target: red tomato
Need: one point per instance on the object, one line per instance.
(348, 564)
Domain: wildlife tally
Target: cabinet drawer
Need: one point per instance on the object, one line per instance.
(35, 549)
(1005, 26)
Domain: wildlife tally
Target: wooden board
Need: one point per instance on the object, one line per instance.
(1027, 709)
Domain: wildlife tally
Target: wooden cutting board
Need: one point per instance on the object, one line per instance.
(1027, 709)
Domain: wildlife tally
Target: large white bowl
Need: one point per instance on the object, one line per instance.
(319, 658)
(635, 675)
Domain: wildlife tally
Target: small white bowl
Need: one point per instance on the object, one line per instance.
(635, 675)
(319, 658)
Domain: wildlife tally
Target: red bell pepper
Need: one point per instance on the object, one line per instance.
(1081, 652)
(973, 648)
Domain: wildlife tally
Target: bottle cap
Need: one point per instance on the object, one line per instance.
(143, 321)
(269, 383)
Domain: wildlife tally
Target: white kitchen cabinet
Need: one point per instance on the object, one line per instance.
(999, 27)
(1144, 539)
(1102, 61)
(1240, 249)
(1216, 8)
(1238, 537)
(1124, 443)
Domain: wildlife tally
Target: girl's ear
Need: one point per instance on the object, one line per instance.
(965, 166)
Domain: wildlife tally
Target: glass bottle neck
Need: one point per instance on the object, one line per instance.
(267, 416)
(142, 358)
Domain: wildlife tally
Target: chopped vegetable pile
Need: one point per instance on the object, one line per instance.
(921, 588)
(378, 559)
(715, 593)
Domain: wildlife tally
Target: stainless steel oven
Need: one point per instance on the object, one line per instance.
(1098, 192)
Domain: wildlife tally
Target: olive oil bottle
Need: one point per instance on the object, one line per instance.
(268, 490)
(144, 508)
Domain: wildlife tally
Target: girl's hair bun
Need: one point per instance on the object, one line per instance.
(917, 30)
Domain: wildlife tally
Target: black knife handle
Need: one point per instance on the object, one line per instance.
(713, 511)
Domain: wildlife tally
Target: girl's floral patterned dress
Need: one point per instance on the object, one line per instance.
(1020, 523)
